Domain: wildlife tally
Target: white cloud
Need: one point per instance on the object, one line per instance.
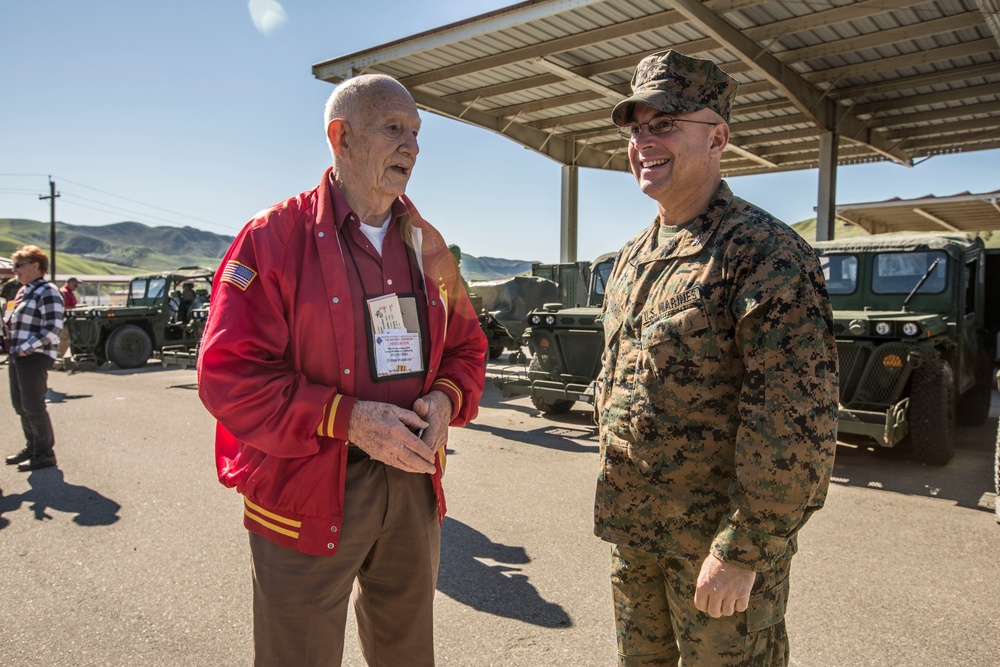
(267, 15)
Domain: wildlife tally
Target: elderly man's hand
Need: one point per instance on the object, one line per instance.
(386, 432)
(434, 408)
(723, 588)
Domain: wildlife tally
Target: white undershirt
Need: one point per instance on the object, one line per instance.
(376, 234)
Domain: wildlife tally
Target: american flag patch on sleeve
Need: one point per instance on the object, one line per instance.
(238, 274)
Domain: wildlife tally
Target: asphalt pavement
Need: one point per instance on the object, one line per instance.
(132, 554)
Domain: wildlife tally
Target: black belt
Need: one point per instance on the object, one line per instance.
(355, 453)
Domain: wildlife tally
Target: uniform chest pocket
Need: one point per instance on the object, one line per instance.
(681, 346)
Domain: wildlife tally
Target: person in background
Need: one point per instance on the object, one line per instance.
(68, 292)
(33, 327)
(717, 398)
(339, 348)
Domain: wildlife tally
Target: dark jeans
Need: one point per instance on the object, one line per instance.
(29, 378)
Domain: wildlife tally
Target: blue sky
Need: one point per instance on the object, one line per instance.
(186, 113)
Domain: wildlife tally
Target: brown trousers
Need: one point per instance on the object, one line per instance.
(388, 554)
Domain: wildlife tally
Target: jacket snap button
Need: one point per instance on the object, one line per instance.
(333, 529)
(330, 545)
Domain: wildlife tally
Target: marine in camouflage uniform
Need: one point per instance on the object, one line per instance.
(717, 404)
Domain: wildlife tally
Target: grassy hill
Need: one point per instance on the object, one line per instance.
(121, 248)
(807, 230)
(128, 248)
(842, 230)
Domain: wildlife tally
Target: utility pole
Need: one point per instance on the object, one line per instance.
(52, 226)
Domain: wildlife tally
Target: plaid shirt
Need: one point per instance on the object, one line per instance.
(37, 319)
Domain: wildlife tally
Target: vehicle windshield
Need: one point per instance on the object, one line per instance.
(841, 273)
(145, 292)
(899, 272)
(599, 281)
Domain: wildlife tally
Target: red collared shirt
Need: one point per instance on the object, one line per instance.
(371, 275)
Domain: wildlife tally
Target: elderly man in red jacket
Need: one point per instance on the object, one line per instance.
(340, 347)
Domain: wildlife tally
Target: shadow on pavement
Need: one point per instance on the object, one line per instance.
(550, 436)
(49, 490)
(53, 396)
(497, 588)
(964, 480)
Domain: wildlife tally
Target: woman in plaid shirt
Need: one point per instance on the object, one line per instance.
(33, 325)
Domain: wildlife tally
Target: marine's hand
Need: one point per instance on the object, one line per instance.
(723, 588)
(386, 432)
(434, 408)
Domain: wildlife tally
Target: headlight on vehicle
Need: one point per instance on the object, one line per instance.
(883, 328)
(536, 319)
(911, 329)
(550, 320)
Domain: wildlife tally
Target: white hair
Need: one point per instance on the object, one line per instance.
(348, 98)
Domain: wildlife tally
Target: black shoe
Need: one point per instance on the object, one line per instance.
(37, 463)
(22, 455)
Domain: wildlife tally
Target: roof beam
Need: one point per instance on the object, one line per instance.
(907, 119)
(936, 220)
(557, 147)
(546, 48)
(807, 98)
(940, 97)
(883, 37)
(921, 57)
(947, 76)
(338, 69)
(569, 75)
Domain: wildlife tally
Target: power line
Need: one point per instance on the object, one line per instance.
(135, 201)
(120, 209)
(229, 229)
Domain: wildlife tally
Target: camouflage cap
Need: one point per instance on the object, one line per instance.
(675, 83)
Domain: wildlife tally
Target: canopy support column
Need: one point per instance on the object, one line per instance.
(826, 208)
(568, 227)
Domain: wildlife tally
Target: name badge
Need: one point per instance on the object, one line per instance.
(396, 338)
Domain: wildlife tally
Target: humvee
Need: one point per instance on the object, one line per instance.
(156, 313)
(565, 346)
(996, 464)
(185, 353)
(915, 337)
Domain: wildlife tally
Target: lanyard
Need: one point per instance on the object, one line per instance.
(409, 265)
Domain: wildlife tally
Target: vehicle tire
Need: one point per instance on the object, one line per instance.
(129, 346)
(974, 406)
(556, 407)
(996, 473)
(495, 353)
(932, 412)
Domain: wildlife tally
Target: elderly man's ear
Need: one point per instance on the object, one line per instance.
(337, 133)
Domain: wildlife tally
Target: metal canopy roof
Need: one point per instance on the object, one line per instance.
(958, 213)
(898, 80)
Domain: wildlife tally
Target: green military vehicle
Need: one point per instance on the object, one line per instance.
(996, 465)
(185, 353)
(916, 321)
(157, 313)
(565, 346)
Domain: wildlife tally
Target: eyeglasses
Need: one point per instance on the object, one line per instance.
(18, 265)
(660, 125)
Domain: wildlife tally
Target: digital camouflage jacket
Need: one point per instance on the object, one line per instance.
(717, 399)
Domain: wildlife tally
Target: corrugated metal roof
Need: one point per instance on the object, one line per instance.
(963, 212)
(899, 80)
